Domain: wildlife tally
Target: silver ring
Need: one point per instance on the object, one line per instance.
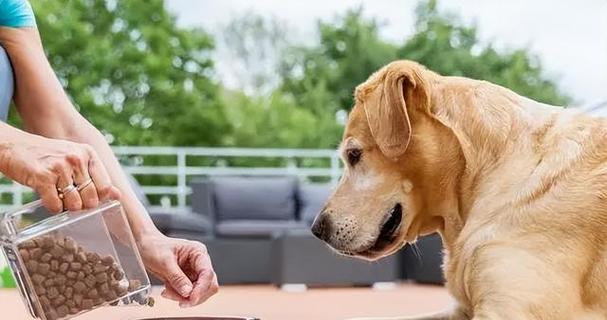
(85, 184)
(67, 189)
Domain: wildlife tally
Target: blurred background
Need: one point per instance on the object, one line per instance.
(256, 93)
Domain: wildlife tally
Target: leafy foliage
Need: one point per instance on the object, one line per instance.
(132, 72)
(350, 50)
(144, 81)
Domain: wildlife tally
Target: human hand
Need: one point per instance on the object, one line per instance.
(66, 175)
(184, 266)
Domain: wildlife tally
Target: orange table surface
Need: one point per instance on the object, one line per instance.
(270, 303)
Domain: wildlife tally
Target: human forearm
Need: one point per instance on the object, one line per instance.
(140, 221)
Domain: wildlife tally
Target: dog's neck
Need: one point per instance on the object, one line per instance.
(487, 122)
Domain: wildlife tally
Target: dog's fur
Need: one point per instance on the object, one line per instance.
(516, 189)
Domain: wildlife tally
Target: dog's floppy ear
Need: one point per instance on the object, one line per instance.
(399, 88)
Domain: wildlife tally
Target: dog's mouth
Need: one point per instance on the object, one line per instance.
(387, 232)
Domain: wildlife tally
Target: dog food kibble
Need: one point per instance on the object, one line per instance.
(68, 279)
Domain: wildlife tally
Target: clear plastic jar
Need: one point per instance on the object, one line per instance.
(73, 262)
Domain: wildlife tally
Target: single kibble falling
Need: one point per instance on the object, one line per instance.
(68, 279)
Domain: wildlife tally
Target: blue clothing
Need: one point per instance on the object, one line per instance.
(7, 83)
(16, 14)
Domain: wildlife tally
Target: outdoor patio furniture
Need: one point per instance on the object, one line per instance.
(300, 258)
(424, 266)
(245, 213)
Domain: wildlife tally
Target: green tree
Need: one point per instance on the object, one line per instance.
(350, 49)
(132, 72)
(444, 44)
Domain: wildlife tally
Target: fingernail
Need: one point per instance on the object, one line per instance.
(185, 290)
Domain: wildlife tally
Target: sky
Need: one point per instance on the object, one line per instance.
(569, 37)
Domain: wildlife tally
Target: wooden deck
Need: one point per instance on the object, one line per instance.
(269, 303)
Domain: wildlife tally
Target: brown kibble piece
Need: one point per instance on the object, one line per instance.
(48, 283)
(57, 252)
(52, 315)
(71, 274)
(32, 266)
(70, 245)
(134, 284)
(37, 279)
(39, 242)
(63, 267)
(25, 255)
(46, 257)
(44, 301)
(100, 268)
(151, 302)
(108, 260)
(68, 257)
(81, 275)
(87, 268)
(35, 253)
(78, 299)
(54, 265)
(40, 290)
(43, 268)
(79, 286)
(87, 303)
(69, 292)
(74, 310)
(52, 293)
(90, 280)
(98, 301)
(92, 257)
(76, 266)
(60, 280)
(104, 288)
(118, 274)
(93, 294)
(81, 257)
(101, 277)
(48, 242)
(110, 296)
(62, 311)
(59, 300)
(70, 303)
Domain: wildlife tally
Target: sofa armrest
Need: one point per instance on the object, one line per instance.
(169, 223)
(202, 199)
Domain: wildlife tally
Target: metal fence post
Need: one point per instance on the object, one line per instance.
(17, 194)
(181, 179)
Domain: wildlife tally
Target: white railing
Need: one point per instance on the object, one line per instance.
(183, 172)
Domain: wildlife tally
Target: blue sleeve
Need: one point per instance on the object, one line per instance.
(16, 14)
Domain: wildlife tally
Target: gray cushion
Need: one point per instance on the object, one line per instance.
(255, 228)
(7, 83)
(181, 222)
(190, 223)
(312, 198)
(254, 198)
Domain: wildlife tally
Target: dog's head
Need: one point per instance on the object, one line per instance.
(380, 201)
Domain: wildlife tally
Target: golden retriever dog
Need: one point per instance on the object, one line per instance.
(517, 190)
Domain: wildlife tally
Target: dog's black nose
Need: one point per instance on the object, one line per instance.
(322, 227)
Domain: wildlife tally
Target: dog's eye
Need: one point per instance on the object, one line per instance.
(354, 156)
